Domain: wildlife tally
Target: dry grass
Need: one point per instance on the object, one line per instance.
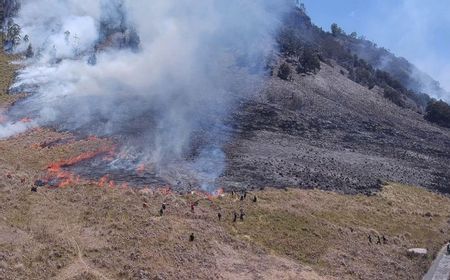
(6, 78)
(109, 233)
(329, 231)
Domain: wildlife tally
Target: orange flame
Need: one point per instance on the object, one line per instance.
(67, 178)
(102, 182)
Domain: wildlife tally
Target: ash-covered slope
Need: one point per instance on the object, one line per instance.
(327, 131)
(348, 127)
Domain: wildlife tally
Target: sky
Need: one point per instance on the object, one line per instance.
(418, 30)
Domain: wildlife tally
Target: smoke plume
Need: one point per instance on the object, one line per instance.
(159, 75)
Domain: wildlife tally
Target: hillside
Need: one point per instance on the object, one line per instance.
(90, 231)
(329, 131)
(327, 166)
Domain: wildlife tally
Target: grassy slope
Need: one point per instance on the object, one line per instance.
(86, 232)
(7, 75)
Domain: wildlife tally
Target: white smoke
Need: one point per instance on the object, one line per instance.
(195, 60)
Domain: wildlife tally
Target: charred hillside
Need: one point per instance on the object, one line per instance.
(341, 125)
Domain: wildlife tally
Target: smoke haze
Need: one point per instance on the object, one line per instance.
(158, 73)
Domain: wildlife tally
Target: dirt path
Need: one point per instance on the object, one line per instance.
(440, 269)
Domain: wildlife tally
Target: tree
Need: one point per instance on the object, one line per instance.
(336, 30)
(13, 35)
(309, 62)
(300, 6)
(289, 42)
(438, 112)
(67, 36)
(394, 96)
(29, 53)
(285, 72)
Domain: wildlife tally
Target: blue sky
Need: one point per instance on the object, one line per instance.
(418, 30)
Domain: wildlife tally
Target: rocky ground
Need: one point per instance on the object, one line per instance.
(328, 132)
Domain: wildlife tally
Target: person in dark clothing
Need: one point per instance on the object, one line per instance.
(370, 239)
(378, 241)
(39, 183)
(241, 216)
(192, 237)
(255, 199)
(219, 215)
(384, 240)
(161, 212)
(163, 206)
(242, 197)
(234, 217)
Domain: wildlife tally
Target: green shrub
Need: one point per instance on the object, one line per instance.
(285, 72)
(394, 96)
(309, 62)
(438, 112)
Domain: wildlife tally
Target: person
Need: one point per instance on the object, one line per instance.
(255, 199)
(39, 183)
(191, 237)
(234, 217)
(161, 212)
(384, 240)
(379, 240)
(163, 207)
(219, 215)
(241, 217)
(370, 239)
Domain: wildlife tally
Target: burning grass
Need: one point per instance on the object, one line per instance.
(66, 178)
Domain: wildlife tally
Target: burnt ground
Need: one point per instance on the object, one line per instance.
(314, 131)
(328, 132)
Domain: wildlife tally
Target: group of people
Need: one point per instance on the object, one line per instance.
(241, 215)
